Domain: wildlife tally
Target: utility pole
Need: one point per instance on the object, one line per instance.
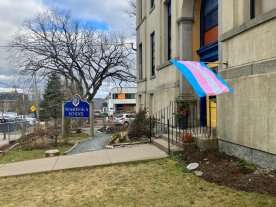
(37, 96)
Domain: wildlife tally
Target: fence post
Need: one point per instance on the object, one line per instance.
(150, 129)
(169, 144)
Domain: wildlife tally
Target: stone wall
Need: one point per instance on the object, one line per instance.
(247, 118)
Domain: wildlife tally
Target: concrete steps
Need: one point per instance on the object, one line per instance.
(203, 143)
(162, 144)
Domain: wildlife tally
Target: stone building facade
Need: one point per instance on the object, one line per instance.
(247, 118)
(167, 29)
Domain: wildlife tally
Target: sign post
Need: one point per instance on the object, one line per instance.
(62, 122)
(91, 120)
(76, 108)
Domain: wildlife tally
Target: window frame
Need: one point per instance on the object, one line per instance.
(140, 59)
(169, 29)
(206, 22)
(152, 4)
(252, 9)
(152, 54)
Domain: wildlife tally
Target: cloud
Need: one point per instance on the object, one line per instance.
(112, 12)
(12, 15)
(102, 14)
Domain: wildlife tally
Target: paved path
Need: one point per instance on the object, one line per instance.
(89, 159)
(93, 144)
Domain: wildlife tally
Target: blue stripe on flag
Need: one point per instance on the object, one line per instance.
(190, 78)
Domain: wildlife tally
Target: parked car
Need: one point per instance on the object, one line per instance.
(3, 120)
(31, 121)
(124, 119)
(97, 114)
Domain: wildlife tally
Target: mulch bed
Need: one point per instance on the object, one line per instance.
(229, 171)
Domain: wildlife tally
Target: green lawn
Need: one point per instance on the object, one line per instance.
(21, 155)
(155, 183)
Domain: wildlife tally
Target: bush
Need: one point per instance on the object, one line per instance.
(39, 139)
(246, 167)
(118, 138)
(140, 126)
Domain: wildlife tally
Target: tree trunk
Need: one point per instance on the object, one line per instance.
(92, 119)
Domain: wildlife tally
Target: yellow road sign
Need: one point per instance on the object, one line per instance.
(33, 108)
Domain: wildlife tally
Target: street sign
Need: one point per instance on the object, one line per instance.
(76, 108)
(33, 108)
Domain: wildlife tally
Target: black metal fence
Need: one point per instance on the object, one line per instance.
(179, 123)
(14, 130)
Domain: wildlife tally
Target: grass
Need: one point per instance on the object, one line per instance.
(22, 155)
(73, 138)
(154, 183)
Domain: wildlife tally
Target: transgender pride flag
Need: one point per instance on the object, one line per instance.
(203, 80)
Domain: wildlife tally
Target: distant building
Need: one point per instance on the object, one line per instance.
(13, 100)
(121, 100)
(99, 104)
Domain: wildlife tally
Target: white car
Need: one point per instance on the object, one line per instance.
(124, 119)
(32, 121)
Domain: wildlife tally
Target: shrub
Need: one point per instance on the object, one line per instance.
(39, 139)
(246, 167)
(118, 137)
(140, 126)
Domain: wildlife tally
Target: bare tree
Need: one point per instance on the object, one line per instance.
(132, 8)
(54, 43)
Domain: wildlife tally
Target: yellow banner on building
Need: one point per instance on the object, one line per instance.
(121, 96)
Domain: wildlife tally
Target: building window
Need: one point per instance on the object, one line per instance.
(151, 4)
(252, 9)
(152, 45)
(140, 59)
(151, 99)
(259, 7)
(209, 31)
(168, 27)
(209, 22)
(130, 96)
(118, 96)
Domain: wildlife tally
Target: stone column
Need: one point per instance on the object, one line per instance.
(185, 25)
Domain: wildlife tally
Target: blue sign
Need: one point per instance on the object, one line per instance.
(76, 108)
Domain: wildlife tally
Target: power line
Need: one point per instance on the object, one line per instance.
(96, 45)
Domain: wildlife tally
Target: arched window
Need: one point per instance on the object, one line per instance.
(209, 22)
(208, 51)
(209, 31)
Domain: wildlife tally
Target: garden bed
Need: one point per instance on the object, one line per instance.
(229, 171)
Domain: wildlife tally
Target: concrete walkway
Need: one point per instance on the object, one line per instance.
(97, 143)
(89, 159)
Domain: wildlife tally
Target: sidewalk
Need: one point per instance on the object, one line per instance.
(89, 159)
(96, 143)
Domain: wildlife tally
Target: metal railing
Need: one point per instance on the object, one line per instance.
(179, 122)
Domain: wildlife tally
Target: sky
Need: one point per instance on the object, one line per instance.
(108, 15)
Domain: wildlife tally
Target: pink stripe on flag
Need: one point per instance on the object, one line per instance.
(206, 78)
(200, 79)
(212, 80)
(221, 86)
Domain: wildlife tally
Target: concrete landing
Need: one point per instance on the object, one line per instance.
(163, 145)
(103, 157)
